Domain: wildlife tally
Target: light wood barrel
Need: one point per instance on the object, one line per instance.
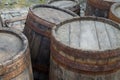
(85, 48)
(15, 62)
(72, 5)
(99, 8)
(115, 12)
(40, 20)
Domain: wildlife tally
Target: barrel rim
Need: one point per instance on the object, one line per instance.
(49, 6)
(77, 3)
(110, 22)
(22, 50)
(113, 7)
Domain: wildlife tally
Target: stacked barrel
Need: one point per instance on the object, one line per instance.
(63, 46)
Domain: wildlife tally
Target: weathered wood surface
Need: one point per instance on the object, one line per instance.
(14, 56)
(99, 8)
(14, 18)
(16, 23)
(85, 48)
(115, 12)
(38, 31)
(67, 4)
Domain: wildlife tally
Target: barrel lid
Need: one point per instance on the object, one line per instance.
(63, 3)
(88, 33)
(12, 45)
(51, 13)
(115, 9)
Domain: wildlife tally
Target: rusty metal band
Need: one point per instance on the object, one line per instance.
(46, 33)
(101, 4)
(84, 54)
(89, 66)
(15, 69)
(87, 61)
(40, 68)
(83, 68)
(32, 16)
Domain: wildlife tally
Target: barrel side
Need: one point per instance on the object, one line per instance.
(98, 8)
(70, 63)
(39, 45)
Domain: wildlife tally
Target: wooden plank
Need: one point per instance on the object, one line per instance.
(117, 33)
(88, 37)
(75, 34)
(112, 36)
(102, 36)
(36, 45)
(44, 52)
(63, 34)
(55, 17)
(16, 19)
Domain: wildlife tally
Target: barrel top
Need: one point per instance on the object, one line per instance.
(11, 44)
(115, 9)
(52, 14)
(63, 4)
(88, 33)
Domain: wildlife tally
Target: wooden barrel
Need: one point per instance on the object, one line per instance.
(15, 63)
(99, 8)
(40, 20)
(85, 48)
(72, 5)
(115, 12)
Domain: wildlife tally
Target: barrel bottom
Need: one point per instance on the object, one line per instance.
(57, 72)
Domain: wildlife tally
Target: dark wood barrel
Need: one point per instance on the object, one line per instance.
(115, 12)
(85, 48)
(72, 5)
(15, 62)
(40, 20)
(99, 8)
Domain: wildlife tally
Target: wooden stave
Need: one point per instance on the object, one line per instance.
(112, 15)
(12, 68)
(58, 50)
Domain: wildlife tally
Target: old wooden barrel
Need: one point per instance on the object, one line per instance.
(72, 5)
(99, 8)
(115, 12)
(85, 48)
(15, 63)
(40, 20)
